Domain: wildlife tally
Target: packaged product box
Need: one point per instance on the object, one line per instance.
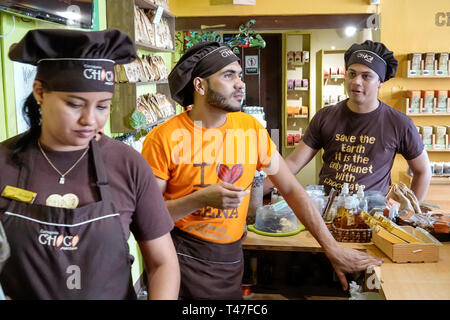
(341, 71)
(326, 73)
(428, 101)
(298, 56)
(333, 71)
(427, 133)
(292, 110)
(304, 110)
(441, 98)
(442, 58)
(290, 56)
(429, 64)
(305, 56)
(448, 102)
(440, 133)
(290, 84)
(415, 59)
(298, 83)
(414, 101)
(290, 140)
(305, 83)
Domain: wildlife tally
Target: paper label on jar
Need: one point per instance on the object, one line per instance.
(279, 205)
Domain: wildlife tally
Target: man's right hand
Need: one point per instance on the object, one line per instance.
(222, 195)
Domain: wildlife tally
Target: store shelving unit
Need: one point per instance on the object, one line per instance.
(334, 84)
(120, 15)
(439, 186)
(300, 96)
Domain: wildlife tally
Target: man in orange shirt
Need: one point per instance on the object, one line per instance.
(205, 160)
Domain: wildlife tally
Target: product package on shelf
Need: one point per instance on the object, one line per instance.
(442, 101)
(442, 63)
(144, 29)
(154, 107)
(147, 68)
(156, 35)
(162, 35)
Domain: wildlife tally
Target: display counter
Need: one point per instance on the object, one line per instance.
(404, 281)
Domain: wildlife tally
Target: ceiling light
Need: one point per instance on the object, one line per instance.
(350, 31)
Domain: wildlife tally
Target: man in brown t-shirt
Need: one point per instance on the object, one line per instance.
(361, 135)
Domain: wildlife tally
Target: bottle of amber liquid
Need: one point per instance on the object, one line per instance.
(348, 220)
(341, 201)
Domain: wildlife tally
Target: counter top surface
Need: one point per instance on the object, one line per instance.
(399, 281)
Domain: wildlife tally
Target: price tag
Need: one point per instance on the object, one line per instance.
(158, 15)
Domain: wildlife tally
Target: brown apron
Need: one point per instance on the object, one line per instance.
(209, 270)
(59, 253)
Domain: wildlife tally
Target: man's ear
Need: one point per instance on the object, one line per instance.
(200, 86)
(38, 91)
(380, 84)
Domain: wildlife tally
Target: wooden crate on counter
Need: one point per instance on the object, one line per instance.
(409, 252)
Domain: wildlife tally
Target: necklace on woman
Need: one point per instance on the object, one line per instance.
(62, 178)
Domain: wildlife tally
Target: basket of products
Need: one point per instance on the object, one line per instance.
(361, 233)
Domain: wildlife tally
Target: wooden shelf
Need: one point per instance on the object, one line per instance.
(406, 109)
(123, 105)
(299, 89)
(421, 76)
(435, 180)
(144, 46)
(438, 150)
(295, 41)
(298, 116)
(427, 114)
(157, 123)
(143, 83)
(121, 15)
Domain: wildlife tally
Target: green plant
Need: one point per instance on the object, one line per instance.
(193, 37)
(246, 38)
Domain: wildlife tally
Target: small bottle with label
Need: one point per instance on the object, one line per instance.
(341, 201)
(349, 220)
(362, 201)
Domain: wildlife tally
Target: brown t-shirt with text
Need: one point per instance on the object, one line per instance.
(359, 148)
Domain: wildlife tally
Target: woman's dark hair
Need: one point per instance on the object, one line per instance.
(33, 112)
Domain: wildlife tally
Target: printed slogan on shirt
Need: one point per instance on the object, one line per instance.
(350, 160)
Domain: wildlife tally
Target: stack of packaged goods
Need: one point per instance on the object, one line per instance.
(146, 32)
(147, 68)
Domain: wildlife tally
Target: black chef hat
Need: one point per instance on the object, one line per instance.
(72, 60)
(202, 60)
(375, 55)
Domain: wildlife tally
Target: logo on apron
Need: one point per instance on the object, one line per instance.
(54, 239)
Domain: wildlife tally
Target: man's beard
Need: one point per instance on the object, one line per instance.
(217, 100)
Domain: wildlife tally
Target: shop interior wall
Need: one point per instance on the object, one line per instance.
(409, 26)
(8, 120)
(199, 8)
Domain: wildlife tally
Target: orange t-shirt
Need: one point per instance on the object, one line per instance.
(190, 157)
